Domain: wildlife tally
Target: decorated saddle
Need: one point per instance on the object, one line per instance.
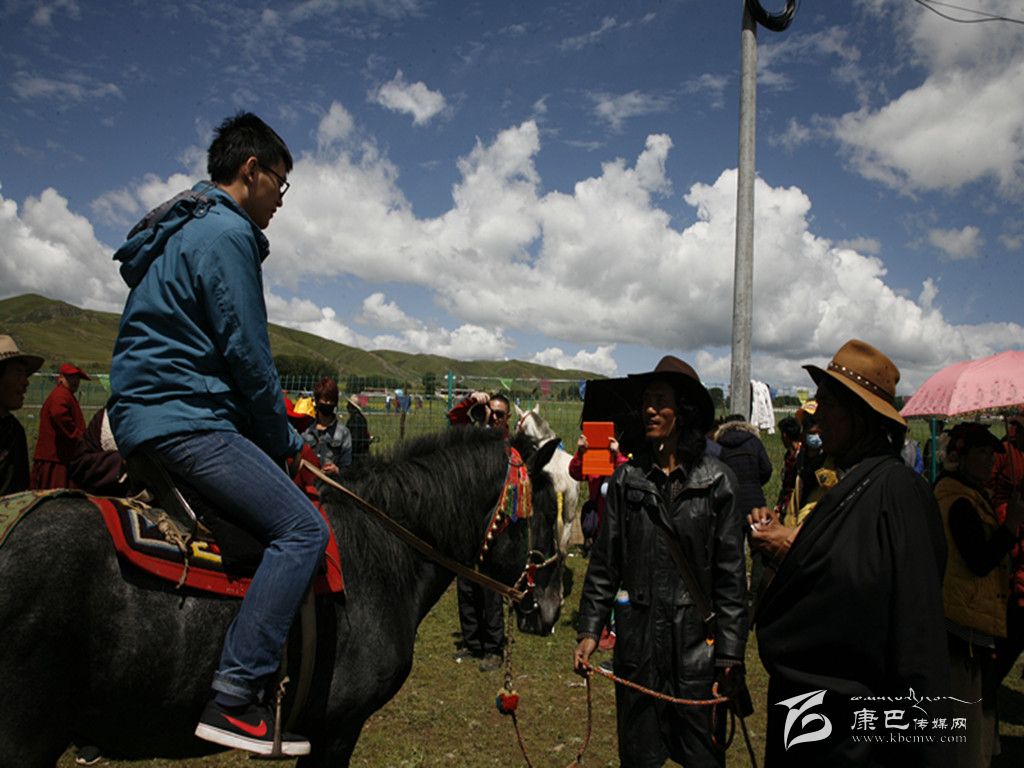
(148, 539)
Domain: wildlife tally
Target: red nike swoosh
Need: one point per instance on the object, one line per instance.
(253, 730)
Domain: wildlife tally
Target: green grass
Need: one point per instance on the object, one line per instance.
(445, 715)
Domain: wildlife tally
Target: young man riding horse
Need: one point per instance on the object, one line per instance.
(193, 382)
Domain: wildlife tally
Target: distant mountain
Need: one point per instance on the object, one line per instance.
(60, 332)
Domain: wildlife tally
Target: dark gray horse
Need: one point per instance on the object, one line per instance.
(95, 652)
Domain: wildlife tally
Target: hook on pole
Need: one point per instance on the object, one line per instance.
(776, 22)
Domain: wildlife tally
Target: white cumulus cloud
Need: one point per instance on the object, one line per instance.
(381, 313)
(415, 99)
(957, 244)
(304, 315)
(74, 87)
(615, 109)
(598, 361)
(335, 126)
(961, 123)
(46, 248)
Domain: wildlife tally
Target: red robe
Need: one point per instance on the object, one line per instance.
(61, 426)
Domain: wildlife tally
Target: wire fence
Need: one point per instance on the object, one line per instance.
(391, 417)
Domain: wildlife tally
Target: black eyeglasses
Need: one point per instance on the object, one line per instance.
(499, 414)
(282, 183)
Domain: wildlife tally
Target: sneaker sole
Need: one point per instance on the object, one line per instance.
(257, 746)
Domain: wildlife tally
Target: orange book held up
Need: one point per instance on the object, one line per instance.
(597, 461)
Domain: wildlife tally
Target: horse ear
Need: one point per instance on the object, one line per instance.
(540, 459)
(519, 411)
(536, 407)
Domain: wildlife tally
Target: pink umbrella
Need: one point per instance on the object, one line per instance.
(996, 381)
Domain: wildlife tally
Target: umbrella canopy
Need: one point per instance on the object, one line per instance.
(615, 400)
(996, 381)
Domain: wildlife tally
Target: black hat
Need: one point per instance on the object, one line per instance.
(685, 382)
(970, 434)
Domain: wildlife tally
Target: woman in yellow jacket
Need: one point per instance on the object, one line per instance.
(976, 582)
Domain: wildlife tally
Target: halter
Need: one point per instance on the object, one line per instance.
(515, 501)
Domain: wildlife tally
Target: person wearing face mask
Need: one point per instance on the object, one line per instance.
(815, 474)
(772, 534)
(327, 436)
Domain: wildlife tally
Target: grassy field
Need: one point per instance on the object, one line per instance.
(445, 714)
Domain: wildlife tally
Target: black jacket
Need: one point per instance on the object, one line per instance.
(660, 634)
(855, 609)
(744, 453)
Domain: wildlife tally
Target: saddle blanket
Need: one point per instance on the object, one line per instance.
(138, 540)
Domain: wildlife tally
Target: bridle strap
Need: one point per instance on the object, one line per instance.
(417, 543)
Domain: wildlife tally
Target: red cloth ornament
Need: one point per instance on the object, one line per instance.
(506, 701)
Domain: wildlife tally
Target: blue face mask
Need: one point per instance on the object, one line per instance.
(813, 441)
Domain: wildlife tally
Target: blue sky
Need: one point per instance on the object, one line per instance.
(545, 181)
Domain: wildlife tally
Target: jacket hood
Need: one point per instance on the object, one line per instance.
(736, 432)
(149, 237)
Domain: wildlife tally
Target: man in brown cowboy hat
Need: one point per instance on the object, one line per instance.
(679, 629)
(15, 368)
(855, 607)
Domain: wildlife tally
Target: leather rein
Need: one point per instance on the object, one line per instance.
(513, 593)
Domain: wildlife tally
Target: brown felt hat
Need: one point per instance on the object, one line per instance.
(685, 381)
(9, 351)
(867, 373)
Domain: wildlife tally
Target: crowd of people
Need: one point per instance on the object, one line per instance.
(867, 583)
(864, 580)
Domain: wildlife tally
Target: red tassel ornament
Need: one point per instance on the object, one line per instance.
(506, 701)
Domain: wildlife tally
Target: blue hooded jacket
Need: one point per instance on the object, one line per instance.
(192, 352)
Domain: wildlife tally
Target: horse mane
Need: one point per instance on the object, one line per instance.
(435, 485)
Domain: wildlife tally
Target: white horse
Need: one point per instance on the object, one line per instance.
(532, 425)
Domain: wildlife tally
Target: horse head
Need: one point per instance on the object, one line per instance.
(533, 426)
(539, 611)
(439, 485)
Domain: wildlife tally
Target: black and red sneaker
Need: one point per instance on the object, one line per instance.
(250, 727)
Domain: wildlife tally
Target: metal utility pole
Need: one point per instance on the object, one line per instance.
(743, 271)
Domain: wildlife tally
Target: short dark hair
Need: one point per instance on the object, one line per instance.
(499, 396)
(236, 140)
(326, 389)
(790, 427)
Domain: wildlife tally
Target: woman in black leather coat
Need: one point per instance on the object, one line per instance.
(670, 489)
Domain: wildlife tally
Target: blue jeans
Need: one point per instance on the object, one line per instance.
(250, 490)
